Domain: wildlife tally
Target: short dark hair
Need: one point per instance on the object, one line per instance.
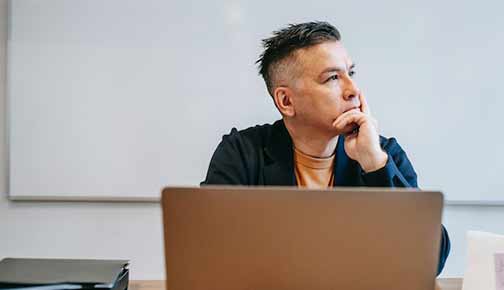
(287, 40)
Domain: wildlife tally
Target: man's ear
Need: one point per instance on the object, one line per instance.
(283, 101)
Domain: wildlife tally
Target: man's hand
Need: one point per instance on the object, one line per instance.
(362, 142)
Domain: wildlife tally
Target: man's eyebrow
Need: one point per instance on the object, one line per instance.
(336, 69)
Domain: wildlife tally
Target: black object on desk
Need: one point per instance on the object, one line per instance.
(62, 274)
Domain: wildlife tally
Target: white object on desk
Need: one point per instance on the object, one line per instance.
(499, 271)
(480, 270)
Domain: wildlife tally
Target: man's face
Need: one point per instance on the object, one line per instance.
(323, 88)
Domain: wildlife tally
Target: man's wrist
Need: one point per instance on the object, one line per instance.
(376, 163)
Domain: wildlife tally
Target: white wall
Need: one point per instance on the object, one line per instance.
(133, 230)
(87, 230)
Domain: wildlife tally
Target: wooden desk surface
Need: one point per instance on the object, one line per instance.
(443, 284)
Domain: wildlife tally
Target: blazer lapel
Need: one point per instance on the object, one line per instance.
(279, 164)
(347, 172)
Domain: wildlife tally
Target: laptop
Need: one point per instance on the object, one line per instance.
(288, 238)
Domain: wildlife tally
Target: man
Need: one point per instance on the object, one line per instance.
(327, 136)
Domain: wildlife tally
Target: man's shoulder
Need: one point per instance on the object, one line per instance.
(390, 145)
(238, 157)
(256, 136)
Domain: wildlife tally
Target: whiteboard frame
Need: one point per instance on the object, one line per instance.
(108, 198)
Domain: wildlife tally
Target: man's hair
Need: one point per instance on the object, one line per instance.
(287, 40)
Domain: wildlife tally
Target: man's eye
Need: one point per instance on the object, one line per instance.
(333, 78)
(351, 73)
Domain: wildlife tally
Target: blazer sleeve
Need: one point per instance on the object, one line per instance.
(227, 166)
(444, 251)
(398, 172)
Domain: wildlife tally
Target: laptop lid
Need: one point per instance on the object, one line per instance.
(286, 238)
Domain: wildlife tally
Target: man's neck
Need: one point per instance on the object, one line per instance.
(312, 142)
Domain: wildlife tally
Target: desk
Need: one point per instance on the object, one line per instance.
(444, 284)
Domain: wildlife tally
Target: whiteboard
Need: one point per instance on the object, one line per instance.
(116, 99)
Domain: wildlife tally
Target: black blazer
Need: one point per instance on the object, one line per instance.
(263, 155)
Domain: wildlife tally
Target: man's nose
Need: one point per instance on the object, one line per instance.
(349, 89)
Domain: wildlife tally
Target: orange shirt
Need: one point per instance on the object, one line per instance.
(313, 172)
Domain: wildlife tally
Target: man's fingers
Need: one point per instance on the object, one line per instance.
(351, 120)
(345, 114)
(346, 122)
(364, 105)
